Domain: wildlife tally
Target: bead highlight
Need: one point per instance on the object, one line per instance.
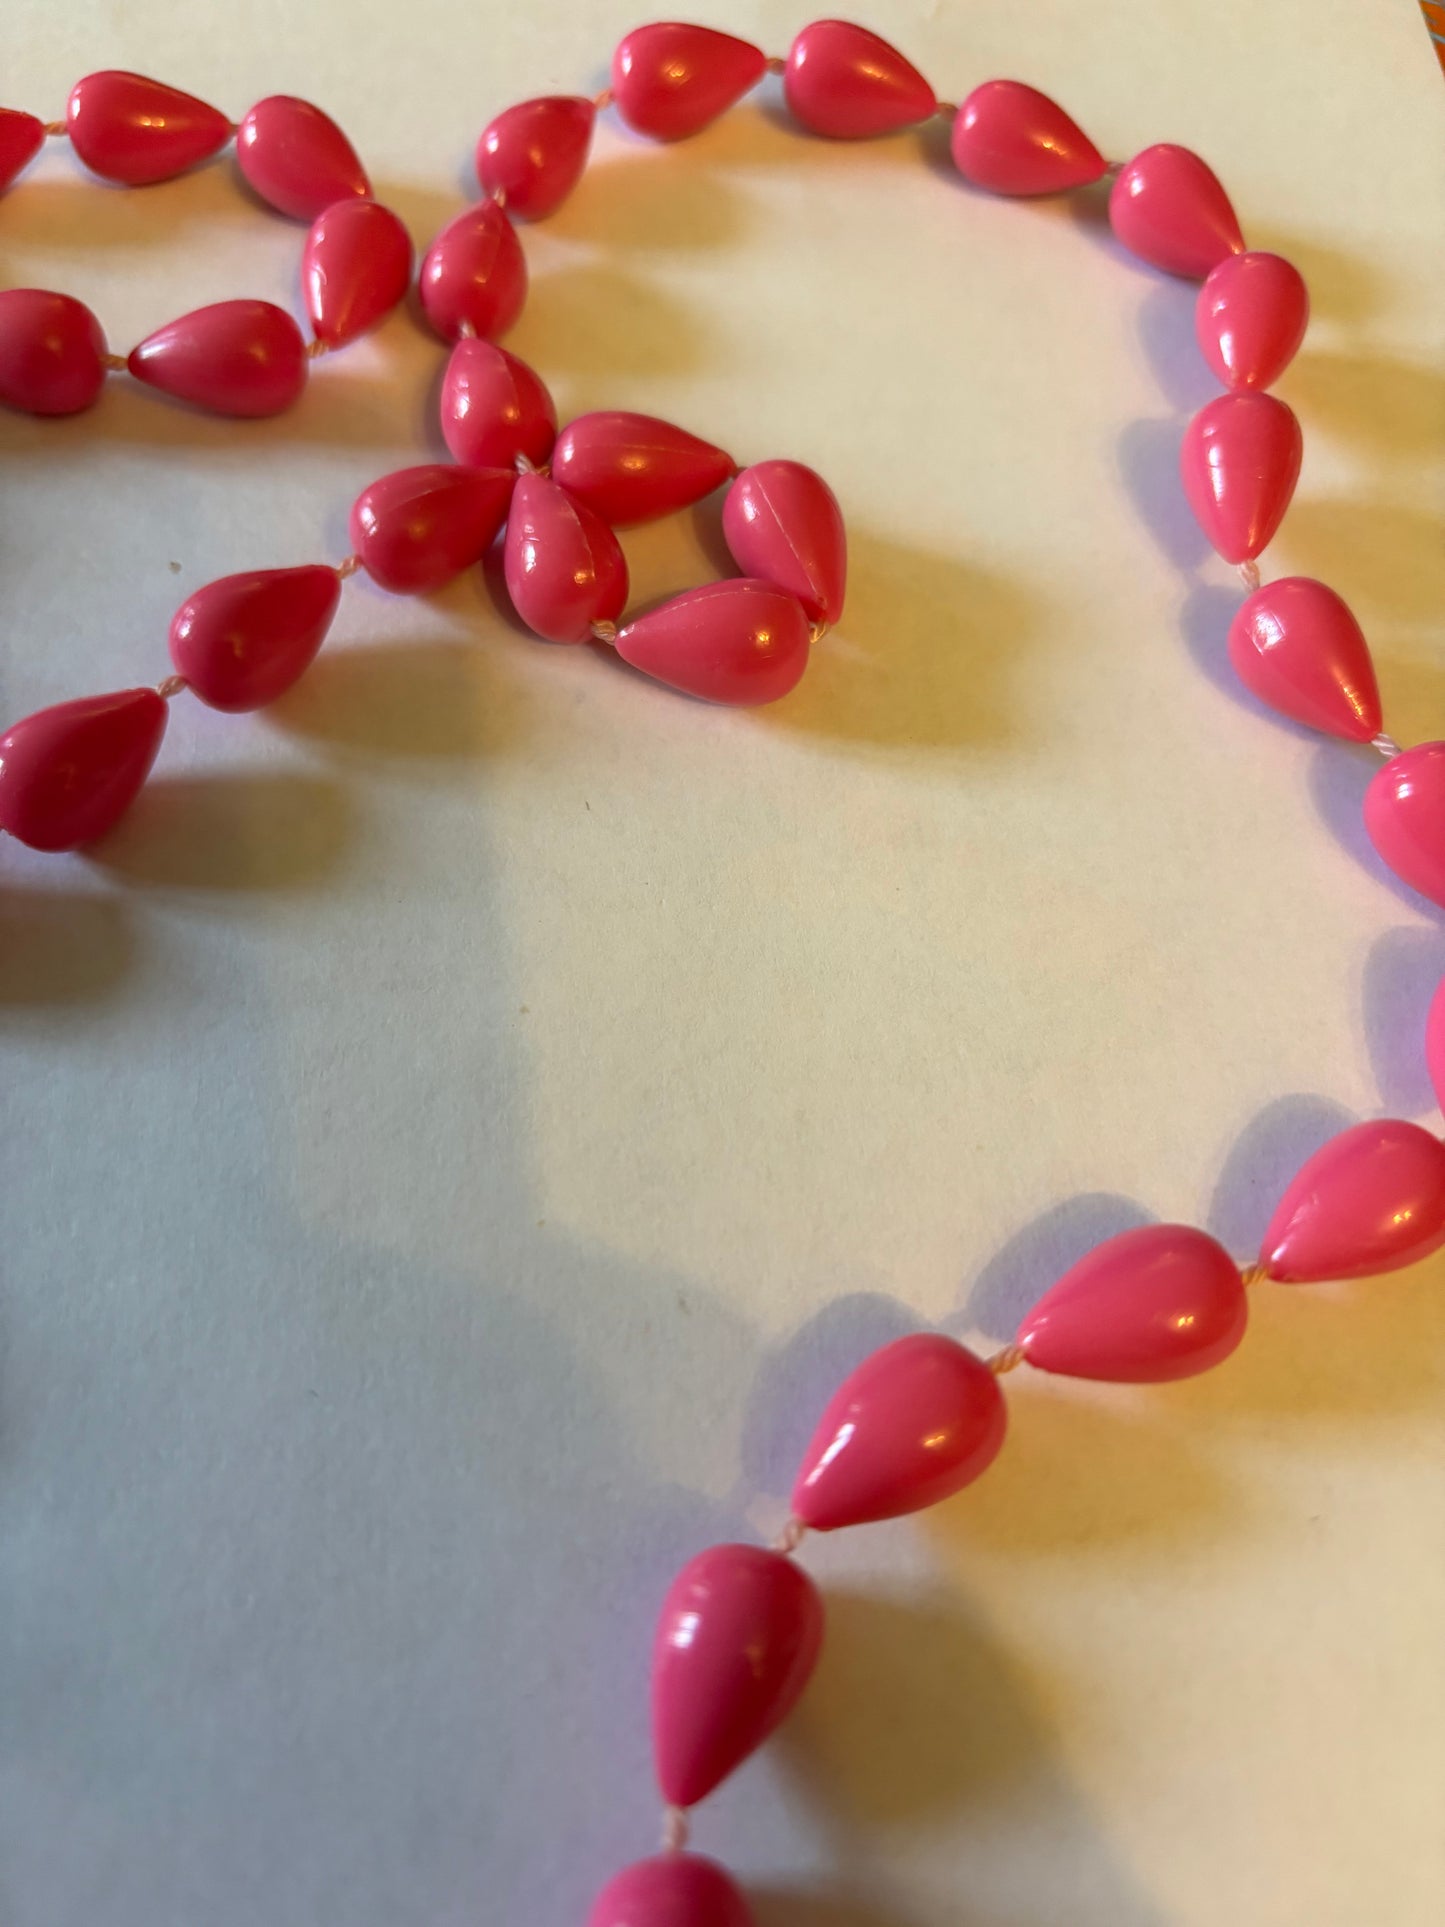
(736, 1643)
(915, 1423)
(1154, 1304)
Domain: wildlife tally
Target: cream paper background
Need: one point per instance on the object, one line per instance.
(461, 1128)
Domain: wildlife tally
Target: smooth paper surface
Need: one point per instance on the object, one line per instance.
(463, 1126)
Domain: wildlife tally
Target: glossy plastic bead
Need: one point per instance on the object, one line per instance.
(1168, 207)
(418, 527)
(68, 774)
(737, 1639)
(671, 1890)
(1297, 646)
(534, 154)
(1405, 817)
(782, 524)
(21, 138)
(474, 274)
(133, 130)
(243, 358)
(915, 1423)
(632, 468)
(244, 640)
(1157, 1303)
(1251, 317)
(494, 407)
(1371, 1200)
(297, 159)
(739, 642)
(1435, 1043)
(1011, 139)
(565, 569)
(670, 80)
(847, 83)
(51, 350)
(355, 268)
(1239, 462)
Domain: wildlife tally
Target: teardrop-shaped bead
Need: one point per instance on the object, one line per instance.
(133, 130)
(1011, 139)
(1405, 817)
(1251, 317)
(51, 349)
(565, 569)
(418, 527)
(1157, 1303)
(1371, 1200)
(494, 407)
(1435, 1043)
(533, 154)
(739, 642)
(671, 1890)
(68, 774)
(1168, 207)
(848, 83)
(297, 159)
(355, 268)
(1239, 462)
(738, 1637)
(243, 358)
(670, 80)
(21, 138)
(242, 641)
(632, 468)
(474, 273)
(782, 524)
(915, 1423)
(1295, 643)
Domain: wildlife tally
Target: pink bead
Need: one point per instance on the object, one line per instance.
(418, 527)
(632, 468)
(738, 1637)
(1159, 1303)
(297, 159)
(846, 82)
(671, 1890)
(21, 138)
(565, 569)
(495, 408)
(534, 153)
(1012, 139)
(50, 352)
(355, 268)
(244, 358)
(474, 273)
(1250, 318)
(244, 640)
(68, 774)
(1435, 1043)
(1296, 645)
(133, 130)
(1168, 208)
(671, 80)
(1371, 1200)
(1405, 817)
(1239, 462)
(739, 642)
(915, 1423)
(782, 524)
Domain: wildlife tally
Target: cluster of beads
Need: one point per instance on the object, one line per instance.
(242, 357)
(742, 1626)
